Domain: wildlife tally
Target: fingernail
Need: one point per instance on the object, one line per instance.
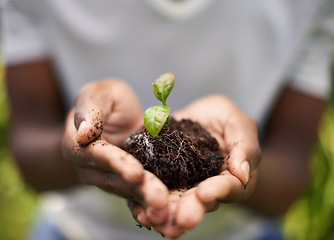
(140, 217)
(245, 168)
(143, 220)
(82, 125)
(80, 134)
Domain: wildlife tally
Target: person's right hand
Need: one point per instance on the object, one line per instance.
(105, 114)
(237, 135)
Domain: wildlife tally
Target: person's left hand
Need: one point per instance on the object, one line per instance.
(237, 135)
(105, 114)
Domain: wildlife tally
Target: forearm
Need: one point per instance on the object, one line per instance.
(290, 138)
(38, 153)
(36, 125)
(282, 176)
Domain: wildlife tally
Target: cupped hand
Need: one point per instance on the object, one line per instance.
(235, 131)
(105, 114)
(237, 135)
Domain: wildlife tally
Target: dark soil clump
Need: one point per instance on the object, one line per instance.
(181, 156)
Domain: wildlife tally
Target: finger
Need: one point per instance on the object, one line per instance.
(156, 198)
(170, 228)
(224, 188)
(154, 213)
(241, 137)
(190, 211)
(243, 159)
(155, 195)
(92, 105)
(110, 182)
(139, 214)
(105, 157)
(103, 105)
(89, 122)
(89, 130)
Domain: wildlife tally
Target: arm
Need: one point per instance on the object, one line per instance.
(290, 137)
(36, 125)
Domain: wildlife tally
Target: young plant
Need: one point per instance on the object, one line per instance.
(155, 117)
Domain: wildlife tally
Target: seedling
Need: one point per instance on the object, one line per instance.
(156, 117)
(181, 154)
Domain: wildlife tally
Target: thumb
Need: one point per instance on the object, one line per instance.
(242, 161)
(239, 167)
(89, 125)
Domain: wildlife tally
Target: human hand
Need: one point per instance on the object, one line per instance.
(237, 135)
(105, 114)
(236, 132)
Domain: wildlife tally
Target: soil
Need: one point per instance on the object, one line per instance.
(181, 156)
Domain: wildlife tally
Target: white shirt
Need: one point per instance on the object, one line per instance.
(240, 49)
(247, 50)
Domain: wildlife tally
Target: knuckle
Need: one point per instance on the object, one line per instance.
(90, 162)
(109, 185)
(82, 177)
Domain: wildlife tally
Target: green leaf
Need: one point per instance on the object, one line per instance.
(155, 118)
(163, 86)
(158, 93)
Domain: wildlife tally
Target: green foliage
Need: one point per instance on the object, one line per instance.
(17, 202)
(155, 117)
(163, 86)
(4, 112)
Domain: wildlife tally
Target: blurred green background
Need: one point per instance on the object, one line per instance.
(311, 218)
